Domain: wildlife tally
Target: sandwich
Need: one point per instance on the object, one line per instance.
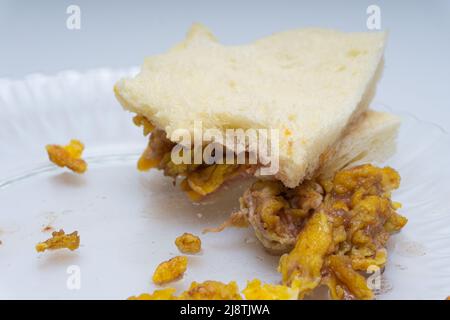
(317, 200)
(308, 84)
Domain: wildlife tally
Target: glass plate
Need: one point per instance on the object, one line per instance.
(128, 220)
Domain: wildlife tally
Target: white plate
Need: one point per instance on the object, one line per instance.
(128, 220)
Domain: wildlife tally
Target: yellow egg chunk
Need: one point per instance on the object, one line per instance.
(68, 156)
(255, 290)
(188, 243)
(60, 240)
(193, 195)
(145, 164)
(199, 179)
(170, 270)
(355, 283)
(142, 121)
(162, 294)
(349, 232)
(207, 290)
(212, 290)
(207, 180)
(301, 268)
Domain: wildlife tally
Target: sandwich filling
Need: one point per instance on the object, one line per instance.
(199, 180)
(349, 219)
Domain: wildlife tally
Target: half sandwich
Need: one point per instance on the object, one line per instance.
(308, 84)
(325, 207)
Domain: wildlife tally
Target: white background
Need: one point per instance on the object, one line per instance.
(34, 38)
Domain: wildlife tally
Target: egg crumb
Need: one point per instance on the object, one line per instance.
(188, 243)
(212, 290)
(68, 156)
(60, 240)
(255, 290)
(162, 294)
(170, 270)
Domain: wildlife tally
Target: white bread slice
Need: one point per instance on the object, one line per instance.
(309, 82)
(370, 140)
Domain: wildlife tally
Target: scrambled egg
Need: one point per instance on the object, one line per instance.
(199, 179)
(208, 179)
(345, 280)
(208, 290)
(142, 121)
(339, 226)
(212, 290)
(162, 294)
(257, 291)
(188, 243)
(216, 290)
(302, 268)
(281, 212)
(60, 240)
(68, 156)
(170, 270)
(346, 234)
(194, 196)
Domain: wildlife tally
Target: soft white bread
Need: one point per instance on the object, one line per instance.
(370, 140)
(310, 83)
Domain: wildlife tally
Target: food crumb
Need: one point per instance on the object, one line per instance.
(199, 215)
(255, 290)
(60, 240)
(162, 294)
(47, 228)
(212, 290)
(170, 270)
(207, 290)
(188, 243)
(68, 156)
